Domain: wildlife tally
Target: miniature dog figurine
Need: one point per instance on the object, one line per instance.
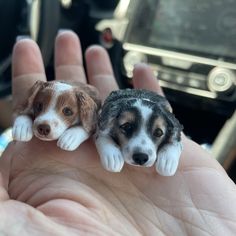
(58, 110)
(139, 128)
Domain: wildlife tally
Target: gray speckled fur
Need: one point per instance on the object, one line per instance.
(121, 99)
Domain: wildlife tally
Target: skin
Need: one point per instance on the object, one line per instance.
(47, 191)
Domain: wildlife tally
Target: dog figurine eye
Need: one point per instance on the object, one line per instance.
(157, 133)
(126, 128)
(38, 107)
(67, 111)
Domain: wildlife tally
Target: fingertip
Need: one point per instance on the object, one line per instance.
(95, 49)
(27, 68)
(68, 57)
(98, 54)
(26, 58)
(144, 78)
(67, 49)
(140, 72)
(65, 33)
(99, 69)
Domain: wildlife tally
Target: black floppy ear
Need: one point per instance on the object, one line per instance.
(109, 112)
(174, 128)
(27, 107)
(87, 111)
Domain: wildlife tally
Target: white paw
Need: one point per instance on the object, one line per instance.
(168, 159)
(22, 129)
(111, 157)
(72, 138)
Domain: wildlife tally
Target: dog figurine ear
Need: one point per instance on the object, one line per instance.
(169, 153)
(27, 107)
(87, 111)
(22, 127)
(166, 105)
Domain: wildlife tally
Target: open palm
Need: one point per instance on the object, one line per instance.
(47, 191)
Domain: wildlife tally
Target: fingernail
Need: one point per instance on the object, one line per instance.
(22, 37)
(62, 31)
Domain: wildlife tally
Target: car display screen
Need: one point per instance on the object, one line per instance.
(189, 26)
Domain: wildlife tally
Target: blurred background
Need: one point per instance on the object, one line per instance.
(191, 47)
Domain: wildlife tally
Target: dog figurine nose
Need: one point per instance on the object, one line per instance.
(44, 129)
(140, 158)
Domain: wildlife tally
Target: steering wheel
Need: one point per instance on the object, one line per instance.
(37, 18)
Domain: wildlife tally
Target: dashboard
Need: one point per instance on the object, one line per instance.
(205, 28)
(190, 45)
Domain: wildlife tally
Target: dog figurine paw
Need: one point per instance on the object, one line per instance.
(58, 110)
(138, 127)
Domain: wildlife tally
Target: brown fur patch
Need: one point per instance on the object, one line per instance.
(67, 100)
(90, 90)
(87, 111)
(43, 98)
(126, 117)
(26, 107)
(160, 123)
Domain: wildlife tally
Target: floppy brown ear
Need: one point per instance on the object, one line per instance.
(87, 111)
(27, 107)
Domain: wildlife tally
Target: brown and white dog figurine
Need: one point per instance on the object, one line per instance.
(58, 110)
(139, 128)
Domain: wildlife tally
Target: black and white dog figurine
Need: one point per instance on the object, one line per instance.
(139, 128)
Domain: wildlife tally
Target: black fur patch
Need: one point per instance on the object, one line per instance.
(123, 100)
(117, 131)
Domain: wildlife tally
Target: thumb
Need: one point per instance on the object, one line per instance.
(5, 161)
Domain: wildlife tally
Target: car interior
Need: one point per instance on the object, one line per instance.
(190, 46)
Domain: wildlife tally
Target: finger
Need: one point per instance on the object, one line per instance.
(27, 68)
(5, 165)
(99, 68)
(144, 78)
(68, 57)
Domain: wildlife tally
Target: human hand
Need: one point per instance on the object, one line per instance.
(47, 191)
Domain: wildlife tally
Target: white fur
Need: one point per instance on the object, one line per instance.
(61, 87)
(110, 154)
(50, 117)
(57, 125)
(72, 138)
(145, 111)
(168, 159)
(22, 129)
(136, 141)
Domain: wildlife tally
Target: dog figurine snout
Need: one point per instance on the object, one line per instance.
(140, 158)
(44, 129)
